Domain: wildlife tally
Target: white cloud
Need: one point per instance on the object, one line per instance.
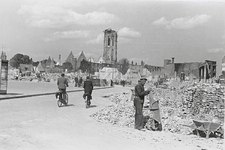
(127, 32)
(123, 39)
(161, 21)
(48, 16)
(183, 22)
(68, 35)
(125, 35)
(72, 34)
(98, 40)
(216, 50)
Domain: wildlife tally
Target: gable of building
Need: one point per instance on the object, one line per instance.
(70, 57)
(40, 68)
(100, 60)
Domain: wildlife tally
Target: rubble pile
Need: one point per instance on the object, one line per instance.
(120, 113)
(173, 116)
(178, 108)
(205, 99)
(45, 77)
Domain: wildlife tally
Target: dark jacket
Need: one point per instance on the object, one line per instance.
(76, 79)
(88, 86)
(140, 91)
(62, 83)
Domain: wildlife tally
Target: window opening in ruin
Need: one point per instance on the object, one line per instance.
(112, 41)
(108, 41)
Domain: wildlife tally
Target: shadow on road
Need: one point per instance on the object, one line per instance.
(13, 94)
(92, 106)
(68, 105)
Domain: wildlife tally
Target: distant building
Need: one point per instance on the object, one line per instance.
(39, 68)
(223, 66)
(110, 46)
(192, 70)
(3, 56)
(59, 63)
(72, 60)
(26, 69)
(101, 60)
(91, 59)
(80, 58)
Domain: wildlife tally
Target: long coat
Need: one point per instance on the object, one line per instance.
(88, 86)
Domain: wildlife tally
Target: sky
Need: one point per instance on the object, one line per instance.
(148, 30)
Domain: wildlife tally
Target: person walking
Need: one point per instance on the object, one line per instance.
(62, 84)
(76, 81)
(111, 83)
(80, 82)
(88, 87)
(138, 103)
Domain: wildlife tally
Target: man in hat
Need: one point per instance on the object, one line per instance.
(88, 87)
(62, 83)
(138, 103)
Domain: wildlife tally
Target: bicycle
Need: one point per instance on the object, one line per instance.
(87, 97)
(63, 101)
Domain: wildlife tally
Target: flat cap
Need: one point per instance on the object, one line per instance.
(143, 79)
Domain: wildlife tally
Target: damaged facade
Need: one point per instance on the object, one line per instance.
(192, 70)
(110, 46)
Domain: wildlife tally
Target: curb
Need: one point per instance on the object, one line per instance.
(41, 94)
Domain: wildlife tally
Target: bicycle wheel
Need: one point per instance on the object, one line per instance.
(59, 103)
(88, 102)
(65, 97)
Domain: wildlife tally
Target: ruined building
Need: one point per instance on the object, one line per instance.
(110, 46)
(223, 66)
(192, 70)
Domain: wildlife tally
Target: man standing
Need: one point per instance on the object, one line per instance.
(138, 103)
(88, 87)
(62, 83)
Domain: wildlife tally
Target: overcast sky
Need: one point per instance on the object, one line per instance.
(190, 31)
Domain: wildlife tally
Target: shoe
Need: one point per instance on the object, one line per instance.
(143, 129)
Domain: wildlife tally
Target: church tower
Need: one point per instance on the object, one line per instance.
(110, 46)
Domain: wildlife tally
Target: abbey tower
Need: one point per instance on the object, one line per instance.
(110, 46)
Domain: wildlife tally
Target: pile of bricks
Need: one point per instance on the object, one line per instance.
(207, 99)
(178, 108)
(120, 112)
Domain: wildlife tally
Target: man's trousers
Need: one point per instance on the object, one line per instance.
(139, 118)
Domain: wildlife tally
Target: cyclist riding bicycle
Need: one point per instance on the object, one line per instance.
(62, 83)
(88, 87)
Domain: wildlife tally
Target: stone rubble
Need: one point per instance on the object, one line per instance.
(178, 106)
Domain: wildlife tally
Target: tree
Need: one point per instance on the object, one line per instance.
(85, 66)
(18, 59)
(67, 65)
